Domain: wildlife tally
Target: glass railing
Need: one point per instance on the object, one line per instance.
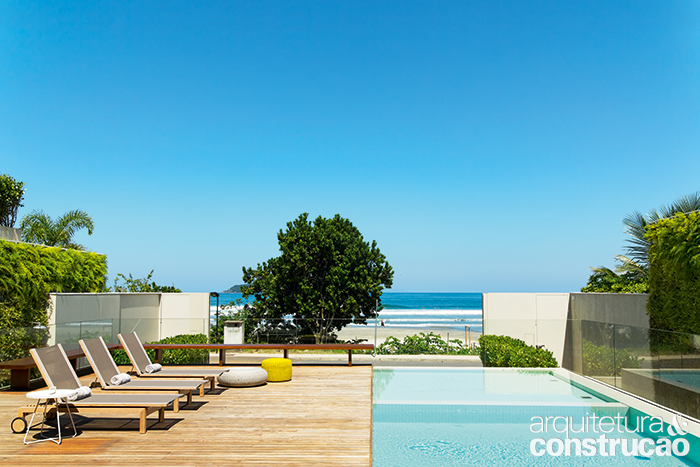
(660, 366)
(15, 343)
(298, 331)
(290, 331)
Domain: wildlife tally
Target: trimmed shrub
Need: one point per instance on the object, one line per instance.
(172, 357)
(423, 344)
(505, 351)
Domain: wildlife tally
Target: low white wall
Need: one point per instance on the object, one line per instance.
(536, 318)
(153, 316)
(184, 313)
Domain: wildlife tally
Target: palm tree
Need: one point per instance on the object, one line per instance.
(37, 227)
(635, 226)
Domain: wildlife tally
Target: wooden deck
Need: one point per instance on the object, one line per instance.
(321, 417)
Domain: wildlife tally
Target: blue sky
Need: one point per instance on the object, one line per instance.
(485, 145)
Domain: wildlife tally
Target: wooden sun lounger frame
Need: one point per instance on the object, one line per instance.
(208, 374)
(144, 408)
(20, 368)
(153, 387)
(142, 412)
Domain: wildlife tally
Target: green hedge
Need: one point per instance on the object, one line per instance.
(504, 351)
(674, 274)
(172, 357)
(422, 344)
(28, 273)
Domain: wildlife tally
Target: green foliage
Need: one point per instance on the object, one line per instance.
(15, 343)
(633, 270)
(600, 360)
(38, 227)
(185, 357)
(121, 358)
(11, 194)
(28, 273)
(423, 344)
(141, 285)
(326, 277)
(674, 273)
(172, 357)
(636, 225)
(505, 351)
(608, 281)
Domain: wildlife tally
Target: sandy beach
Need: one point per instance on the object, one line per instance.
(368, 333)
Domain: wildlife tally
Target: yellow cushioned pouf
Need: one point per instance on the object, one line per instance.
(278, 369)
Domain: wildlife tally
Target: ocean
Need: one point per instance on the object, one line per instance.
(446, 311)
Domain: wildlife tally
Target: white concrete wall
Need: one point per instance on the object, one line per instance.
(153, 316)
(184, 313)
(536, 318)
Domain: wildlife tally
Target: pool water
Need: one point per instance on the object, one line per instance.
(445, 417)
(689, 377)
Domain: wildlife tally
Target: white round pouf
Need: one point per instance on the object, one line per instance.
(242, 377)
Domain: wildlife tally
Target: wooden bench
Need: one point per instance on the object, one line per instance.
(20, 369)
(222, 348)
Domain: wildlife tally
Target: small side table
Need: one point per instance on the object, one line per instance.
(53, 396)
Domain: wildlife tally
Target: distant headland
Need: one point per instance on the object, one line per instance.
(234, 289)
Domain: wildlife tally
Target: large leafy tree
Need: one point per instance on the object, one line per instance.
(11, 194)
(140, 285)
(326, 277)
(38, 227)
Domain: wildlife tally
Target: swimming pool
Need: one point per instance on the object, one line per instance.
(509, 417)
(688, 377)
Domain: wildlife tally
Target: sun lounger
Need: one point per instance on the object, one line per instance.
(105, 369)
(139, 358)
(58, 372)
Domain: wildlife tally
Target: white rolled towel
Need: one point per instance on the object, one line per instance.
(82, 393)
(153, 367)
(121, 378)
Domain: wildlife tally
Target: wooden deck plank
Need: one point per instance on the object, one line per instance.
(322, 416)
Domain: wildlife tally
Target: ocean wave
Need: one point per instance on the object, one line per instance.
(430, 312)
(444, 307)
(406, 312)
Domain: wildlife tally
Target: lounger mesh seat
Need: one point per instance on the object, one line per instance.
(102, 362)
(58, 372)
(139, 358)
